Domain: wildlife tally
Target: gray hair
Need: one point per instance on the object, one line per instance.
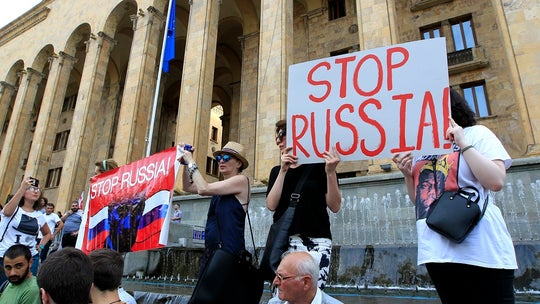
(307, 265)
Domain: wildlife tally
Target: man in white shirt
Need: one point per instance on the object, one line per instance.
(177, 216)
(296, 281)
(55, 225)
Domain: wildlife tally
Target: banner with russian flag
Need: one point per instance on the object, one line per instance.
(128, 207)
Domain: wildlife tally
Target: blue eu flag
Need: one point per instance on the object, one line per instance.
(169, 43)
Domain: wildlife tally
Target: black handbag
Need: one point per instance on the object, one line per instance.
(454, 214)
(277, 241)
(229, 278)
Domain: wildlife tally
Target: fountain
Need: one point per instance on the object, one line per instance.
(374, 237)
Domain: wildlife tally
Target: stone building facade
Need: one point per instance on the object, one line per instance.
(80, 80)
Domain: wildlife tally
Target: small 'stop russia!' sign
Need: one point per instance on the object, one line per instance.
(371, 104)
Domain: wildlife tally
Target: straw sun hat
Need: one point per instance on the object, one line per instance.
(235, 149)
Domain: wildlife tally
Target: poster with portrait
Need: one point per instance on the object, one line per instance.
(370, 104)
(128, 207)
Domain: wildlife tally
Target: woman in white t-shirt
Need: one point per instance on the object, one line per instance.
(481, 268)
(21, 221)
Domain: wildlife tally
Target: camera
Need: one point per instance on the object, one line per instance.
(35, 181)
(186, 148)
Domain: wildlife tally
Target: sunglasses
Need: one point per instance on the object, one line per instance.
(224, 157)
(280, 135)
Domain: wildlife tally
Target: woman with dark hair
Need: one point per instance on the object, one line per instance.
(481, 268)
(21, 221)
(310, 227)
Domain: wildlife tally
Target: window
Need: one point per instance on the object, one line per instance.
(351, 49)
(53, 178)
(462, 32)
(476, 97)
(69, 103)
(432, 32)
(214, 135)
(60, 142)
(212, 166)
(336, 9)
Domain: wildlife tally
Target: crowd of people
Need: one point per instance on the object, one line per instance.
(37, 251)
(68, 276)
(481, 267)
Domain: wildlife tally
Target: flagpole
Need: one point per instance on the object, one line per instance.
(158, 84)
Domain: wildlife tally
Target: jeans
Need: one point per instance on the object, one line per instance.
(45, 251)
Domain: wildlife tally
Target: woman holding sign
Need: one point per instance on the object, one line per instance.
(310, 228)
(480, 269)
(225, 221)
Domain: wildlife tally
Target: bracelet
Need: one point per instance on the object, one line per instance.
(466, 148)
(191, 169)
(41, 246)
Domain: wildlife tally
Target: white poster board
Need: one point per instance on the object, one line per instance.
(370, 104)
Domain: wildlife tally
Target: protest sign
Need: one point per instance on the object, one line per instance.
(128, 207)
(370, 104)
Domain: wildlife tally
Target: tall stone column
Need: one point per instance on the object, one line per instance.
(198, 78)
(49, 114)
(12, 149)
(514, 19)
(7, 91)
(275, 56)
(247, 128)
(376, 23)
(234, 124)
(140, 85)
(107, 133)
(75, 167)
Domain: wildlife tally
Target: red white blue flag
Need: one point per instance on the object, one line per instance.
(128, 207)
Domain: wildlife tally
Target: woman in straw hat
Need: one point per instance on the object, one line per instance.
(230, 198)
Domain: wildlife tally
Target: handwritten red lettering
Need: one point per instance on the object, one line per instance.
(343, 85)
(314, 134)
(403, 98)
(349, 126)
(374, 123)
(379, 76)
(446, 114)
(296, 137)
(325, 83)
(390, 66)
(428, 107)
